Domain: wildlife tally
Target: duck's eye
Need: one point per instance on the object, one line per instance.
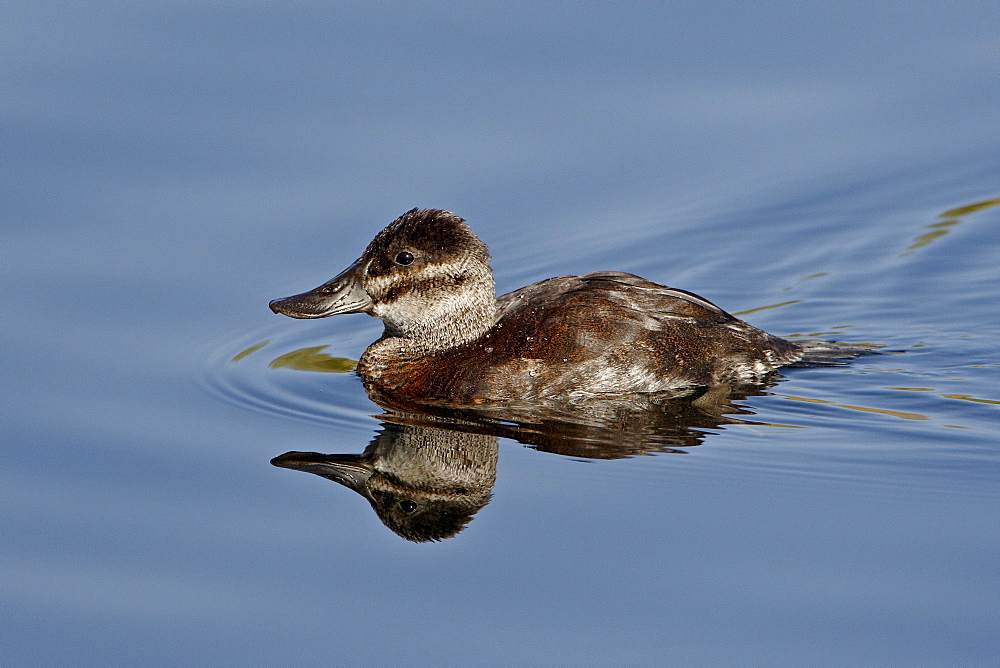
(407, 506)
(404, 258)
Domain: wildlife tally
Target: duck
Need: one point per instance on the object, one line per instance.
(448, 340)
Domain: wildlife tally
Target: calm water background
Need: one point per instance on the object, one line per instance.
(169, 168)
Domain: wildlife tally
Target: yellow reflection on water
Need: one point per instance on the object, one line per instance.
(249, 351)
(942, 227)
(864, 409)
(812, 335)
(788, 303)
(966, 397)
(764, 308)
(810, 277)
(960, 397)
(970, 208)
(313, 359)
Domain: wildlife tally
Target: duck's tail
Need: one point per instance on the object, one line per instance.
(817, 352)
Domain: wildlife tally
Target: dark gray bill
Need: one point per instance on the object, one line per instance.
(343, 294)
(349, 470)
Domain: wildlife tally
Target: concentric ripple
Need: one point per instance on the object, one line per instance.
(304, 374)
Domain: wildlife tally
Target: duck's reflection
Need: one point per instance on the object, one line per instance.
(425, 483)
(426, 475)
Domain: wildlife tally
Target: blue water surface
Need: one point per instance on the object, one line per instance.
(825, 170)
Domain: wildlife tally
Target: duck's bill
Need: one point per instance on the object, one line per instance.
(349, 470)
(343, 294)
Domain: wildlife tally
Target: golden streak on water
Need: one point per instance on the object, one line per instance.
(764, 308)
(927, 237)
(940, 228)
(775, 424)
(249, 351)
(864, 409)
(807, 278)
(970, 208)
(966, 397)
(960, 397)
(813, 335)
(313, 359)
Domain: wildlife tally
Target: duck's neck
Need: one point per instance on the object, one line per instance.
(435, 325)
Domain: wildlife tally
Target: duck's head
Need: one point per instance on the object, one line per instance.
(426, 274)
(425, 483)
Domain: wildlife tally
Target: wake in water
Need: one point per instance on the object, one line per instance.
(817, 352)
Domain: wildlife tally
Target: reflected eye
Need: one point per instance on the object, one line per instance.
(404, 258)
(406, 505)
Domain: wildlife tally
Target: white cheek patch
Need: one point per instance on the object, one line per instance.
(409, 310)
(430, 297)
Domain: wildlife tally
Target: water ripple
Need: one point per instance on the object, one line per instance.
(262, 370)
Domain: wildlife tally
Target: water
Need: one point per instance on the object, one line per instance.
(170, 169)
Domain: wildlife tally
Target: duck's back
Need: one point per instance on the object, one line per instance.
(609, 333)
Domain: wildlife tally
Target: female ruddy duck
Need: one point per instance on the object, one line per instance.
(449, 340)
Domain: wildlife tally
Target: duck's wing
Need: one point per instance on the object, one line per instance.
(616, 290)
(635, 332)
(652, 297)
